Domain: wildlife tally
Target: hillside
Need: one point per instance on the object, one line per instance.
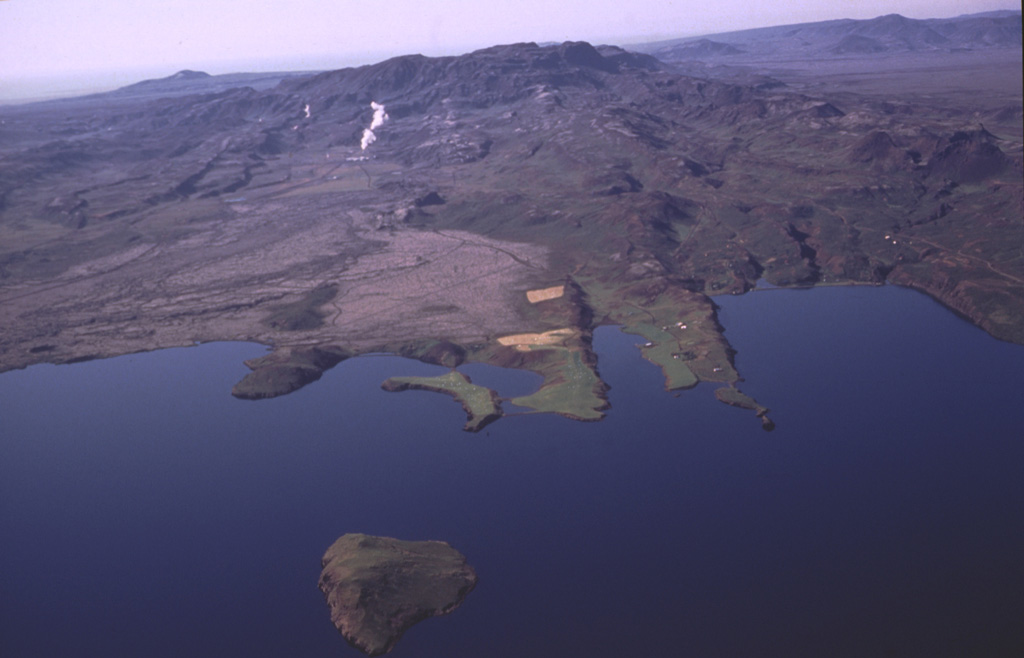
(504, 204)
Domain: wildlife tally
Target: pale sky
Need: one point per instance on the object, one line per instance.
(83, 42)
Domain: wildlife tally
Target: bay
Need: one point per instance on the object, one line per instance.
(146, 512)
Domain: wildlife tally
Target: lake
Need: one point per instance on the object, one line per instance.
(146, 512)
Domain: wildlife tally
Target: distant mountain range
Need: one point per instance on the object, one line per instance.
(835, 39)
(886, 34)
(189, 82)
(183, 83)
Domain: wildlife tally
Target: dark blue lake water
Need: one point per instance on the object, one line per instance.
(146, 512)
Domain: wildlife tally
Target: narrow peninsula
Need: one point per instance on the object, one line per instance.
(481, 404)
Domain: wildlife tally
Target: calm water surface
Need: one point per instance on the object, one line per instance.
(146, 512)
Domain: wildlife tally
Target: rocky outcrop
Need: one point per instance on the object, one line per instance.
(286, 370)
(733, 397)
(968, 157)
(878, 149)
(378, 587)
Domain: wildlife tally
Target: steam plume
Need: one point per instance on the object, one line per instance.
(379, 117)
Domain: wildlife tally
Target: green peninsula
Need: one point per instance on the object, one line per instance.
(736, 398)
(481, 404)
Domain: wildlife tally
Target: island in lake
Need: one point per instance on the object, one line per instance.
(498, 206)
(378, 587)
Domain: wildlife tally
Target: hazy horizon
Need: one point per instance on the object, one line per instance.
(93, 49)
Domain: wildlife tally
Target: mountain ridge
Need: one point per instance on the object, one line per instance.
(888, 33)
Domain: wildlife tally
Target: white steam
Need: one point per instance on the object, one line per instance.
(368, 138)
(379, 117)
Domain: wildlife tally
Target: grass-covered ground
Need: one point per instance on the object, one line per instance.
(481, 403)
(571, 386)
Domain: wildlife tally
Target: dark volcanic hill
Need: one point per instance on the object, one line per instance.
(506, 203)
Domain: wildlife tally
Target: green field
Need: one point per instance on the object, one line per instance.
(481, 403)
(571, 387)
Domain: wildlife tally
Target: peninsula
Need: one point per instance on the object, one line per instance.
(481, 404)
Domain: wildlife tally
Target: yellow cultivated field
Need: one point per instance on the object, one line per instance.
(524, 342)
(544, 294)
